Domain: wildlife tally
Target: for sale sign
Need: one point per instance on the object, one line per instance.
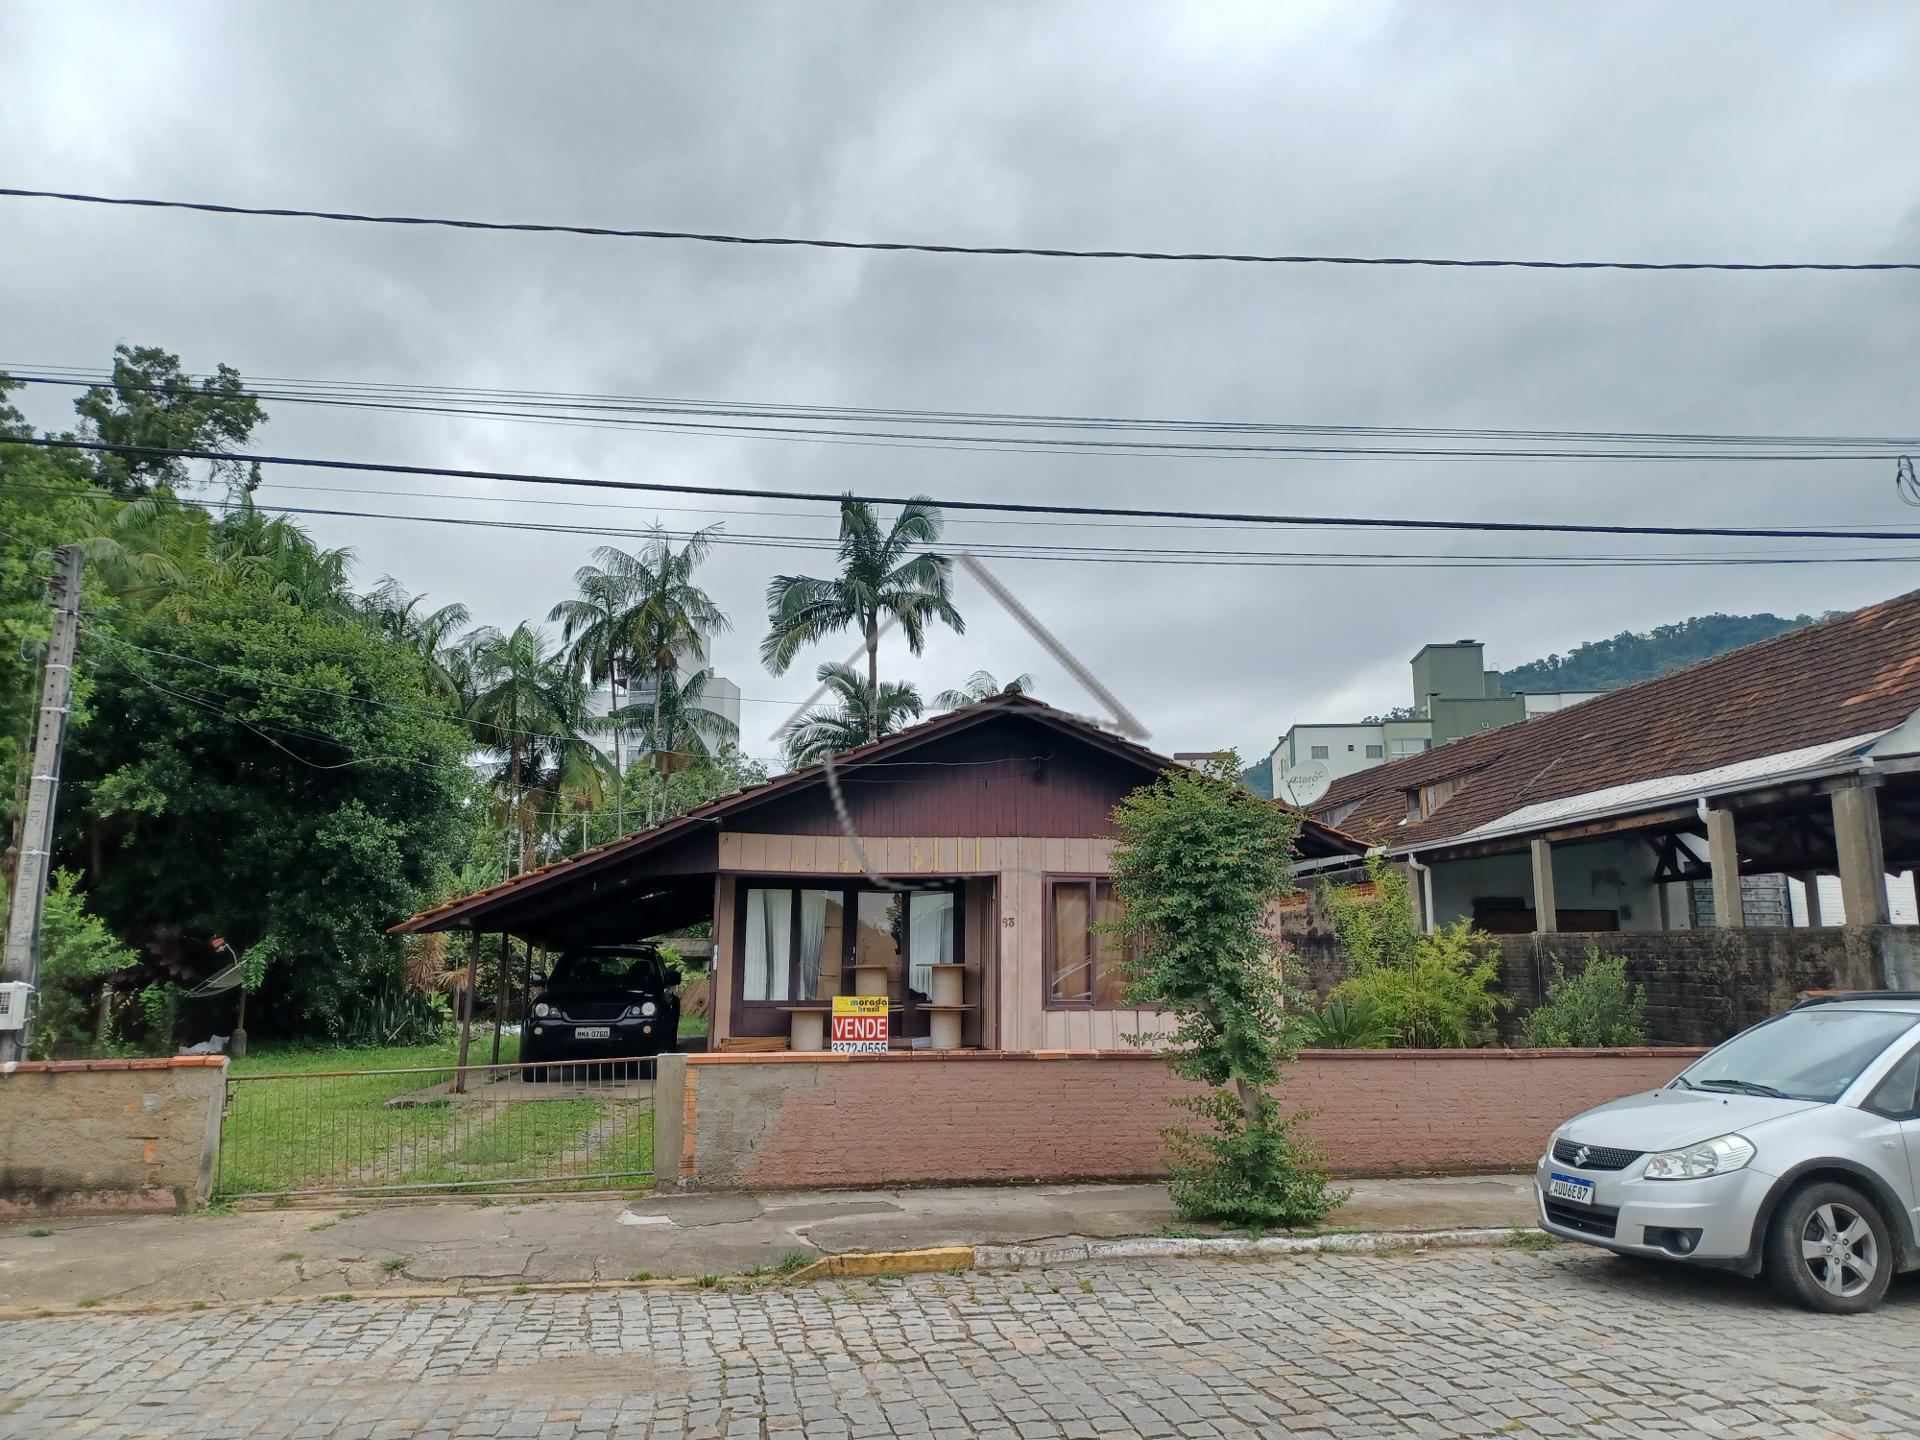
(859, 1025)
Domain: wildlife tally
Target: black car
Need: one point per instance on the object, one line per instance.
(610, 1002)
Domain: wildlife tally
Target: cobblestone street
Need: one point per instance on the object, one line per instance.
(1562, 1343)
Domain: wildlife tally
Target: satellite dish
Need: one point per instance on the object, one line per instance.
(1307, 784)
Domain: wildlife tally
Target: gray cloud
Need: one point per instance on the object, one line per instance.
(1729, 130)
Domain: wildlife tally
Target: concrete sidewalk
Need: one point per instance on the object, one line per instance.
(467, 1244)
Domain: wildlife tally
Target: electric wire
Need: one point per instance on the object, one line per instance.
(942, 248)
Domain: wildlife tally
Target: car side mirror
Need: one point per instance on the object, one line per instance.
(539, 982)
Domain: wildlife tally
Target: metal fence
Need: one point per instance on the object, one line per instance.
(575, 1125)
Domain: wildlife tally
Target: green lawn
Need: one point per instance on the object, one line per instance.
(328, 1124)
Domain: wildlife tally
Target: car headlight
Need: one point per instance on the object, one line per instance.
(1709, 1157)
(542, 1009)
(647, 1007)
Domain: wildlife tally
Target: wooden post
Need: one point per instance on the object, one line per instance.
(500, 998)
(466, 1015)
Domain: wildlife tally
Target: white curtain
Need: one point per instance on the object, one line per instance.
(930, 936)
(813, 929)
(769, 944)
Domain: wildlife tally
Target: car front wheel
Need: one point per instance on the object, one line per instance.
(1829, 1249)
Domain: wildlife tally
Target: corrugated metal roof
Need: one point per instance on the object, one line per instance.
(1666, 789)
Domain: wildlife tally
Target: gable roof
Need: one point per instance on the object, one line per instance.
(1849, 678)
(1316, 838)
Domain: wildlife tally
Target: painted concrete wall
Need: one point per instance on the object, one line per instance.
(797, 1121)
(106, 1135)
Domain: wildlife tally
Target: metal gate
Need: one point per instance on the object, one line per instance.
(572, 1125)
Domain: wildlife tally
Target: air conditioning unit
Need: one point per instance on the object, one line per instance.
(13, 1004)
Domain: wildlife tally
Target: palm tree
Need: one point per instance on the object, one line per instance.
(853, 719)
(881, 575)
(680, 728)
(530, 708)
(430, 634)
(590, 623)
(664, 615)
(982, 686)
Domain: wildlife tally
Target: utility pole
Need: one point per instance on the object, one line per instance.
(22, 956)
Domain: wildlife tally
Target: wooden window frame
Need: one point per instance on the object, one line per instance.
(1091, 883)
(744, 885)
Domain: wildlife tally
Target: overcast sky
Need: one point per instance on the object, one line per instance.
(1645, 131)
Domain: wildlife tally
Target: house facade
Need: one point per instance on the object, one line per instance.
(960, 868)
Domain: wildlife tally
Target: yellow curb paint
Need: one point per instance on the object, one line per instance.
(888, 1262)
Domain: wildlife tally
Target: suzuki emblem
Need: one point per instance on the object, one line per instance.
(1580, 1155)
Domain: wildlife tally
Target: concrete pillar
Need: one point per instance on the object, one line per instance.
(1812, 881)
(1723, 853)
(669, 1118)
(1863, 865)
(1546, 910)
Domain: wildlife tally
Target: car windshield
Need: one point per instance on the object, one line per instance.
(624, 969)
(1811, 1054)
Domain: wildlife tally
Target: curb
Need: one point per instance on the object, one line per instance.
(1018, 1257)
(859, 1264)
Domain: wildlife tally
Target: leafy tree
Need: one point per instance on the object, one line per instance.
(1343, 1024)
(1630, 657)
(280, 775)
(1398, 712)
(1595, 1008)
(1431, 991)
(883, 575)
(1198, 862)
(430, 634)
(982, 686)
(857, 715)
(590, 625)
(151, 401)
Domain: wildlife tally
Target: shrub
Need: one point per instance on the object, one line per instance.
(1431, 991)
(1343, 1024)
(1594, 1008)
(77, 955)
(1199, 861)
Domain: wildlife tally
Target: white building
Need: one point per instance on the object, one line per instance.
(1454, 695)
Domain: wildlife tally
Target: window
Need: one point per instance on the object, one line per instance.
(1316, 752)
(1086, 964)
(796, 944)
(1898, 1096)
(1411, 747)
(1349, 749)
(792, 945)
(1376, 752)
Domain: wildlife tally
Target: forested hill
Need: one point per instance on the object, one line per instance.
(1630, 656)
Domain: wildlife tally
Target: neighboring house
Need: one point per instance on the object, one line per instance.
(1795, 757)
(1454, 695)
(990, 831)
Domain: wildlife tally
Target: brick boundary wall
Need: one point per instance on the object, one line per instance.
(787, 1121)
(110, 1135)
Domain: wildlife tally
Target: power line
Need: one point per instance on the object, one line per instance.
(1358, 522)
(1118, 555)
(1854, 448)
(798, 410)
(930, 248)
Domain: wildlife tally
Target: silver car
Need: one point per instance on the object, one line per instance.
(1793, 1150)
